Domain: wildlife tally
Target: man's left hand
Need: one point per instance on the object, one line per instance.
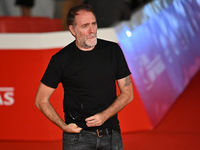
(96, 120)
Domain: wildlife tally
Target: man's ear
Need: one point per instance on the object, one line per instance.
(71, 29)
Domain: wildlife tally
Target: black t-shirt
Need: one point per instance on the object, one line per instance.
(89, 80)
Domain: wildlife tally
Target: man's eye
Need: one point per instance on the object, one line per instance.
(85, 25)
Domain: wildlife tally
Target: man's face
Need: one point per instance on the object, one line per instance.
(85, 30)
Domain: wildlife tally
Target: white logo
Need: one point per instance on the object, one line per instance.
(6, 96)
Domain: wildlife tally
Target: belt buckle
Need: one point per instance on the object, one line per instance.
(99, 133)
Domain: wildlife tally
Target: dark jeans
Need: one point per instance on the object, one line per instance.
(88, 141)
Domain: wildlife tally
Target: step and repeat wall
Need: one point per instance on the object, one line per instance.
(162, 52)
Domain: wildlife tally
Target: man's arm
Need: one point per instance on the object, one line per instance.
(125, 97)
(42, 103)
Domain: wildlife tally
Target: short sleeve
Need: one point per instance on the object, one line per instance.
(122, 66)
(52, 75)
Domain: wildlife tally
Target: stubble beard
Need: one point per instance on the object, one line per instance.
(91, 42)
(87, 42)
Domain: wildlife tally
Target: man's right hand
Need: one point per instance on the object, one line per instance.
(72, 128)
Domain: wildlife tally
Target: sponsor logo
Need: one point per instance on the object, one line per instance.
(6, 96)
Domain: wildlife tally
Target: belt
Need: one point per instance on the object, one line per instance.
(98, 132)
(104, 132)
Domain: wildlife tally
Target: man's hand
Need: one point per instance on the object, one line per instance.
(96, 120)
(43, 104)
(72, 128)
(125, 97)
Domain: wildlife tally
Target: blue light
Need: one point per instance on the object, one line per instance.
(128, 33)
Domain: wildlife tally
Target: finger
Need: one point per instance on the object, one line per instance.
(90, 118)
(78, 130)
(91, 123)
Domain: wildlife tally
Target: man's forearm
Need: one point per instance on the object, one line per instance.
(42, 103)
(47, 109)
(125, 97)
(122, 100)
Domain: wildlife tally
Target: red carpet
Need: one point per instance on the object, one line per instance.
(179, 130)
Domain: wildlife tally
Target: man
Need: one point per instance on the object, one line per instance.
(87, 69)
(26, 6)
(113, 12)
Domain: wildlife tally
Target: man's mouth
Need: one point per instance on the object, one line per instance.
(91, 37)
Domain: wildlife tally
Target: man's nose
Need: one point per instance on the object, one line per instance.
(92, 29)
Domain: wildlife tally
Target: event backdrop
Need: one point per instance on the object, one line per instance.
(163, 54)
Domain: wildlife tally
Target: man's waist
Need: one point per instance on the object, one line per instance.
(98, 132)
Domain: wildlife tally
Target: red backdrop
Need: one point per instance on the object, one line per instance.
(21, 71)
